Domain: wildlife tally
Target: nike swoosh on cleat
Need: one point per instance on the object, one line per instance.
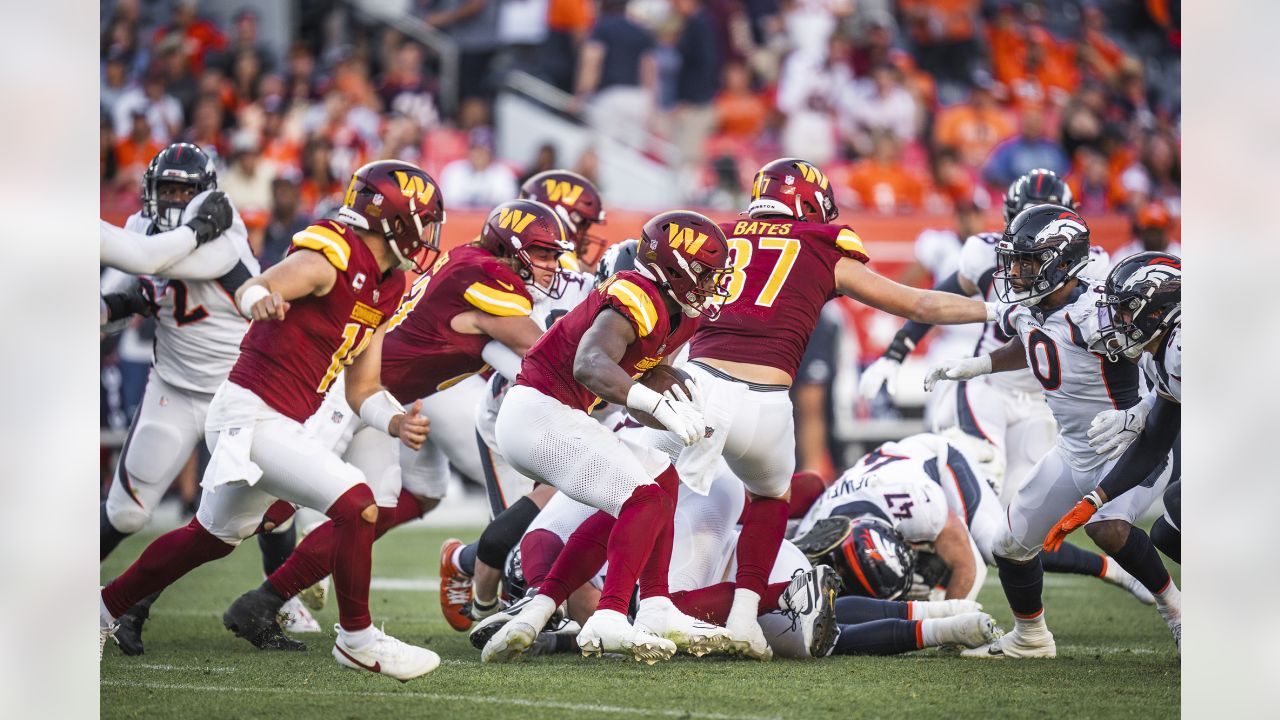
(375, 667)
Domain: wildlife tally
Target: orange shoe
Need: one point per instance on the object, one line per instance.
(455, 588)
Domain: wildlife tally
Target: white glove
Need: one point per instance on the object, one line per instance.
(1113, 431)
(965, 369)
(681, 417)
(993, 311)
(883, 372)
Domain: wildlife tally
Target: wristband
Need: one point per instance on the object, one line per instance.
(378, 409)
(993, 311)
(1094, 499)
(901, 346)
(251, 295)
(642, 398)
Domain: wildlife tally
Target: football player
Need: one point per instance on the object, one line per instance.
(788, 261)
(628, 325)
(323, 308)
(1141, 320)
(469, 310)
(1051, 315)
(579, 204)
(1005, 409)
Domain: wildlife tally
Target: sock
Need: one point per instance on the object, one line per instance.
(851, 610)
(1167, 539)
(928, 633)
(1073, 559)
(166, 559)
(806, 488)
(879, 637)
(644, 516)
(108, 536)
(709, 604)
(1169, 600)
(656, 571)
(582, 557)
(504, 533)
(105, 618)
(352, 556)
(276, 548)
(1023, 586)
(538, 552)
(1139, 557)
(466, 559)
(356, 639)
(771, 598)
(763, 526)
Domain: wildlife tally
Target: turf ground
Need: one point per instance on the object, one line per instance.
(1115, 658)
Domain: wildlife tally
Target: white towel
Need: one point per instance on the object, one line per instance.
(698, 463)
(230, 461)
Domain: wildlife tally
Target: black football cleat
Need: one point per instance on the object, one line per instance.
(129, 626)
(253, 616)
(825, 536)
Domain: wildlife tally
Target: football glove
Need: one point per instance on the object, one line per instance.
(1069, 523)
(1113, 431)
(680, 416)
(965, 369)
(213, 217)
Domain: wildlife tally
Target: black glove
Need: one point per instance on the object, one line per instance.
(212, 218)
(137, 299)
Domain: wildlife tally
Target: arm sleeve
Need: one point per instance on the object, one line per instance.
(1148, 452)
(502, 359)
(213, 259)
(142, 254)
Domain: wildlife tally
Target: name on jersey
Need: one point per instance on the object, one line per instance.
(648, 363)
(365, 315)
(756, 227)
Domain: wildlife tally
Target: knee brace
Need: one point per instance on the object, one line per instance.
(505, 532)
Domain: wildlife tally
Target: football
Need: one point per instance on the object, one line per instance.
(659, 379)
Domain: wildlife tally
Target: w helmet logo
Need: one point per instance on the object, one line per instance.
(812, 174)
(685, 237)
(562, 191)
(515, 220)
(414, 186)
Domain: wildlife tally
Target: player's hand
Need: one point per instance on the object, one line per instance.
(1076, 517)
(412, 427)
(965, 369)
(271, 307)
(691, 393)
(680, 417)
(881, 373)
(1113, 431)
(212, 217)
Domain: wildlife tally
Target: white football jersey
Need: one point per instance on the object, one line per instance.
(1164, 368)
(1077, 383)
(896, 483)
(198, 327)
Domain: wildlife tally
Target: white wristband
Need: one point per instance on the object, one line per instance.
(378, 409)
(251, 295)
(993, 311)
(642, 398)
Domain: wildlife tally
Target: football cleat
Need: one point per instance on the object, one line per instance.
(455, 588)
(505, 636)
(253, 617)
(932, 609)
(385, 655)
(658, 616)
(608, 631)
(810, 602)
(492, 623)
(825, 536)
(748, 639)
(294, 617)
(971, 630)
(106, 626)
(315, 596)
(1120, 577)
(1023, 642)
(476, 612)
(1173, 618)
(128, 633)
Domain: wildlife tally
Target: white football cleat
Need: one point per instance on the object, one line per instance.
(1173, 618)
(608, 631)
(1120, 577)
(1024, 642)
(106, 625)
(516, 630)
(809, 601)
(386, 655)
(971, 630)
(747, 638)
(294, 617)
(315, 596)
(933, 609)
(659, 616)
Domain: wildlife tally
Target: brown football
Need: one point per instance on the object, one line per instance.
(659, 379)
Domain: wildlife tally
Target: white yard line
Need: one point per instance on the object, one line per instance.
(198, 668)
(516, 702)
(410, 584)
(1090, 650)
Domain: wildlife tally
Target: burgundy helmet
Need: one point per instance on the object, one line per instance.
(794, 188)
(687, 255)
(577, 201)
(401, 201)
(516, 226)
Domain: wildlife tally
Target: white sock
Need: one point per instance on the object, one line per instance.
(105, 618)
(746, 607)
(456, 557)
(1169, 602)
(356, 639)
(930, 632)
(1030, 624)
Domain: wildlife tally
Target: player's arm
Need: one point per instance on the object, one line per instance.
(1009, 356)
(377, 407)
(142, 254)
(139, 298)
(952, 546)
(518, 332)
(300, 274)
(926, 306)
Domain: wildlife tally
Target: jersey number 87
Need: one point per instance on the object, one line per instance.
(743, 250)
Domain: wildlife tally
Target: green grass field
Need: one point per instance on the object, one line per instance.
(1115, 658)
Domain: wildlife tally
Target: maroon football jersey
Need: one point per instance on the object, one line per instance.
(783, 273)
(548, 367)
(422, 354)
(291, 363)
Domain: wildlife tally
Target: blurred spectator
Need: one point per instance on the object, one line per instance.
(134, 151)
(725, 192)
(873, 42)
(246, 75)
(196, 37)
(247, 180)
(122, 37)
(278, 147)
(1030, 149)
(811, 395)
(473, 25)
(740, 112)
(878, 104)
(521, 32)
(244, 40)
(1156, 176)
(1130, 97)
(301, 74)
(321, 189)
(810, 24)
(588, 166)
(1090, 181)
(108, 162)
(545, 160)
(807, 88)
(955, 183)
(179, 82)
(617, 75)
(404, 89)
(1152, 231)
(942, 32)
(1082, 122)
(1100, 56)
(286, 219)
(161, 110)
(402, 140)
(881, 183)
(569, 22)
(206, 127)
(697, 81)
(973, 128)
(732, 28)
(477, 181)
(1044, 71)
(115, 78)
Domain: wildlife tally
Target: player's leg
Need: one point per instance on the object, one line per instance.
(1031, 432)
(982, 411)
(453, 420)
(496, 542)
(1166, 533)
